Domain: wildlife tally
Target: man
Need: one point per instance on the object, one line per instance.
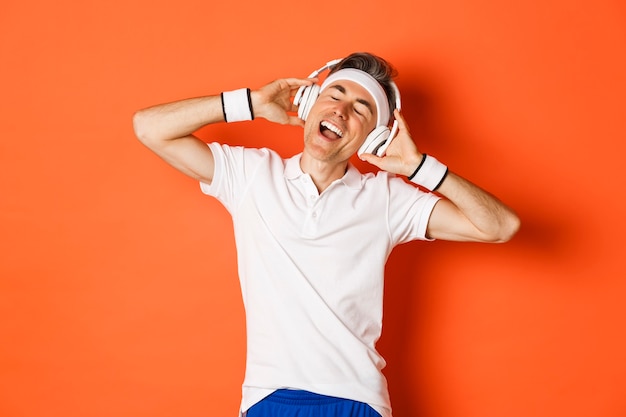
(313, 234)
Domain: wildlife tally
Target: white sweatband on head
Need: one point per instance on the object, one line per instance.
(430, 173)
(370, 84)
(237, 105)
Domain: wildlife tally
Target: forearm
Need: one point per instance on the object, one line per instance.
(175, 120)
(165, 122)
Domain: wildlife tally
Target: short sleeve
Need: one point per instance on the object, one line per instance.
(234, 170)
(409, 211)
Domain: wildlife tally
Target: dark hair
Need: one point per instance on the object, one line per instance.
(375, 66)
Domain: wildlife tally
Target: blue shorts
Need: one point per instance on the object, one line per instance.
(294, 403)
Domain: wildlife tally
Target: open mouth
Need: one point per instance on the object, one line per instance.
(330, 131)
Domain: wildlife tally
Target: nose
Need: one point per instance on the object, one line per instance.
(341, 109)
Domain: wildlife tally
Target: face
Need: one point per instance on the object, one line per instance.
(339, 121)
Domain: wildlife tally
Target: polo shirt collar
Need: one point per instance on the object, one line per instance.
(351, 179)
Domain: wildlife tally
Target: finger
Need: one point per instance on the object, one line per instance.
(295, 88)
(371, 159)
(299, 82)
(401, 122)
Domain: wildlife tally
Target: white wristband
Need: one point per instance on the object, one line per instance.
(430, 173)
(237, 105)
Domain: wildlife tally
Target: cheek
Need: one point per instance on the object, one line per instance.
(366, 127)
(370, 125)
(310, 127)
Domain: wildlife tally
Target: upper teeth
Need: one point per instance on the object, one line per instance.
(332, 128)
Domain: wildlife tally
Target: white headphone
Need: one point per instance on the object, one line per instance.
(376, 142)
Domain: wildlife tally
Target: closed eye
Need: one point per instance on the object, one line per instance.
(361, 107)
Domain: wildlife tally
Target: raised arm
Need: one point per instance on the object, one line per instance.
(467, 213)
(168, 129)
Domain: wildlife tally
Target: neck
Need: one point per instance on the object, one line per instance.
(322, 173)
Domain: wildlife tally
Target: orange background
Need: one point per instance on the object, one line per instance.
(118, 287)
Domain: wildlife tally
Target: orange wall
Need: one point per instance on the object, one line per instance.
(118, 287)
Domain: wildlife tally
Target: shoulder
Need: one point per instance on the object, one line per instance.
(387, 181)
(237, 166)
(230, 151)
(239, 156)
(398, 192)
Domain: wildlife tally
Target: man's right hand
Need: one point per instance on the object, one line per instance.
(274, 101)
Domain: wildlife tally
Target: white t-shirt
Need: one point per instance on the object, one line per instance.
(311, 270)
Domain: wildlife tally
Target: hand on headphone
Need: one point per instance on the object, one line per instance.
(401, 156)
(274, 100)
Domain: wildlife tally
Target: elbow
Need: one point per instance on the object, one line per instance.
(141, 126)
(508, 228)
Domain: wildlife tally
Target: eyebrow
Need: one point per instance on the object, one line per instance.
(364, 102)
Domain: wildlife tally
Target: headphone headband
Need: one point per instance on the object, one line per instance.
(328, 66)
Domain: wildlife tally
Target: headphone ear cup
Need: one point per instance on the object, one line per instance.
(382, 148)
(299, 99)
(309, 97)
(374, 141)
